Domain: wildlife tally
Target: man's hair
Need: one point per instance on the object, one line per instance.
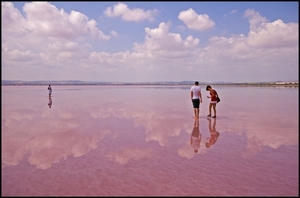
(196, 83)
(208, 86)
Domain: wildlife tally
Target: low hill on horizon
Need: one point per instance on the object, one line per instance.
(78, 82)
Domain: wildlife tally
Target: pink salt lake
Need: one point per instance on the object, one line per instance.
(136, 141)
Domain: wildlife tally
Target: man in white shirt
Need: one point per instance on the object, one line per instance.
(196, 98)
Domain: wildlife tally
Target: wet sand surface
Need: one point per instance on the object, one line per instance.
(136, 141)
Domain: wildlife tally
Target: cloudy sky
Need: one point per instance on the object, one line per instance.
(150, 41)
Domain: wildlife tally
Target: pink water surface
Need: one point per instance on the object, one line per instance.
(136, 141)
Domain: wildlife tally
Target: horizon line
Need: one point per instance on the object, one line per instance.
(186, 81)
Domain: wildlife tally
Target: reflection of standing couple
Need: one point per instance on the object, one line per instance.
(197, 135)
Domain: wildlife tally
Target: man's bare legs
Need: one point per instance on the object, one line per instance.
(196, 112)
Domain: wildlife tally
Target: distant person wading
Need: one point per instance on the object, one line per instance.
(50, 90)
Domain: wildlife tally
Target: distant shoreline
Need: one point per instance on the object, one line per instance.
(154, 84)
(293, 83)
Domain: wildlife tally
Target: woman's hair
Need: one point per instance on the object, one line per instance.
(207, 87)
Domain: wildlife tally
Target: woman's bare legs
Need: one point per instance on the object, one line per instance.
(212, 106)
(209, 109)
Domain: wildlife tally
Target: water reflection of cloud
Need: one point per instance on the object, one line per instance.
(161, 128)
(268, 129)
(252, 148)
(128, 154)
(13, 148)
(187, 151)
(46, 149)
(65, 114)
(18, 114)
(51, 148)
(47, 135)
(163, 120)
(160, 123)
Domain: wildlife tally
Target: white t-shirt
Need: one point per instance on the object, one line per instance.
(195, 89)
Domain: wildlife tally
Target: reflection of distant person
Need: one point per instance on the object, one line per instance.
(196, 136)
(196, 98)
(50, 102)
(213, 101)
(50, 90)
(214, 134)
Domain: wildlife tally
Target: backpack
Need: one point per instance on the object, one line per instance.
(218, 98)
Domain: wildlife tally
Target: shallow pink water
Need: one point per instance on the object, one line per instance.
(130, 141)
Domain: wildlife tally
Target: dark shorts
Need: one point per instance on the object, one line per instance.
(196, 103)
